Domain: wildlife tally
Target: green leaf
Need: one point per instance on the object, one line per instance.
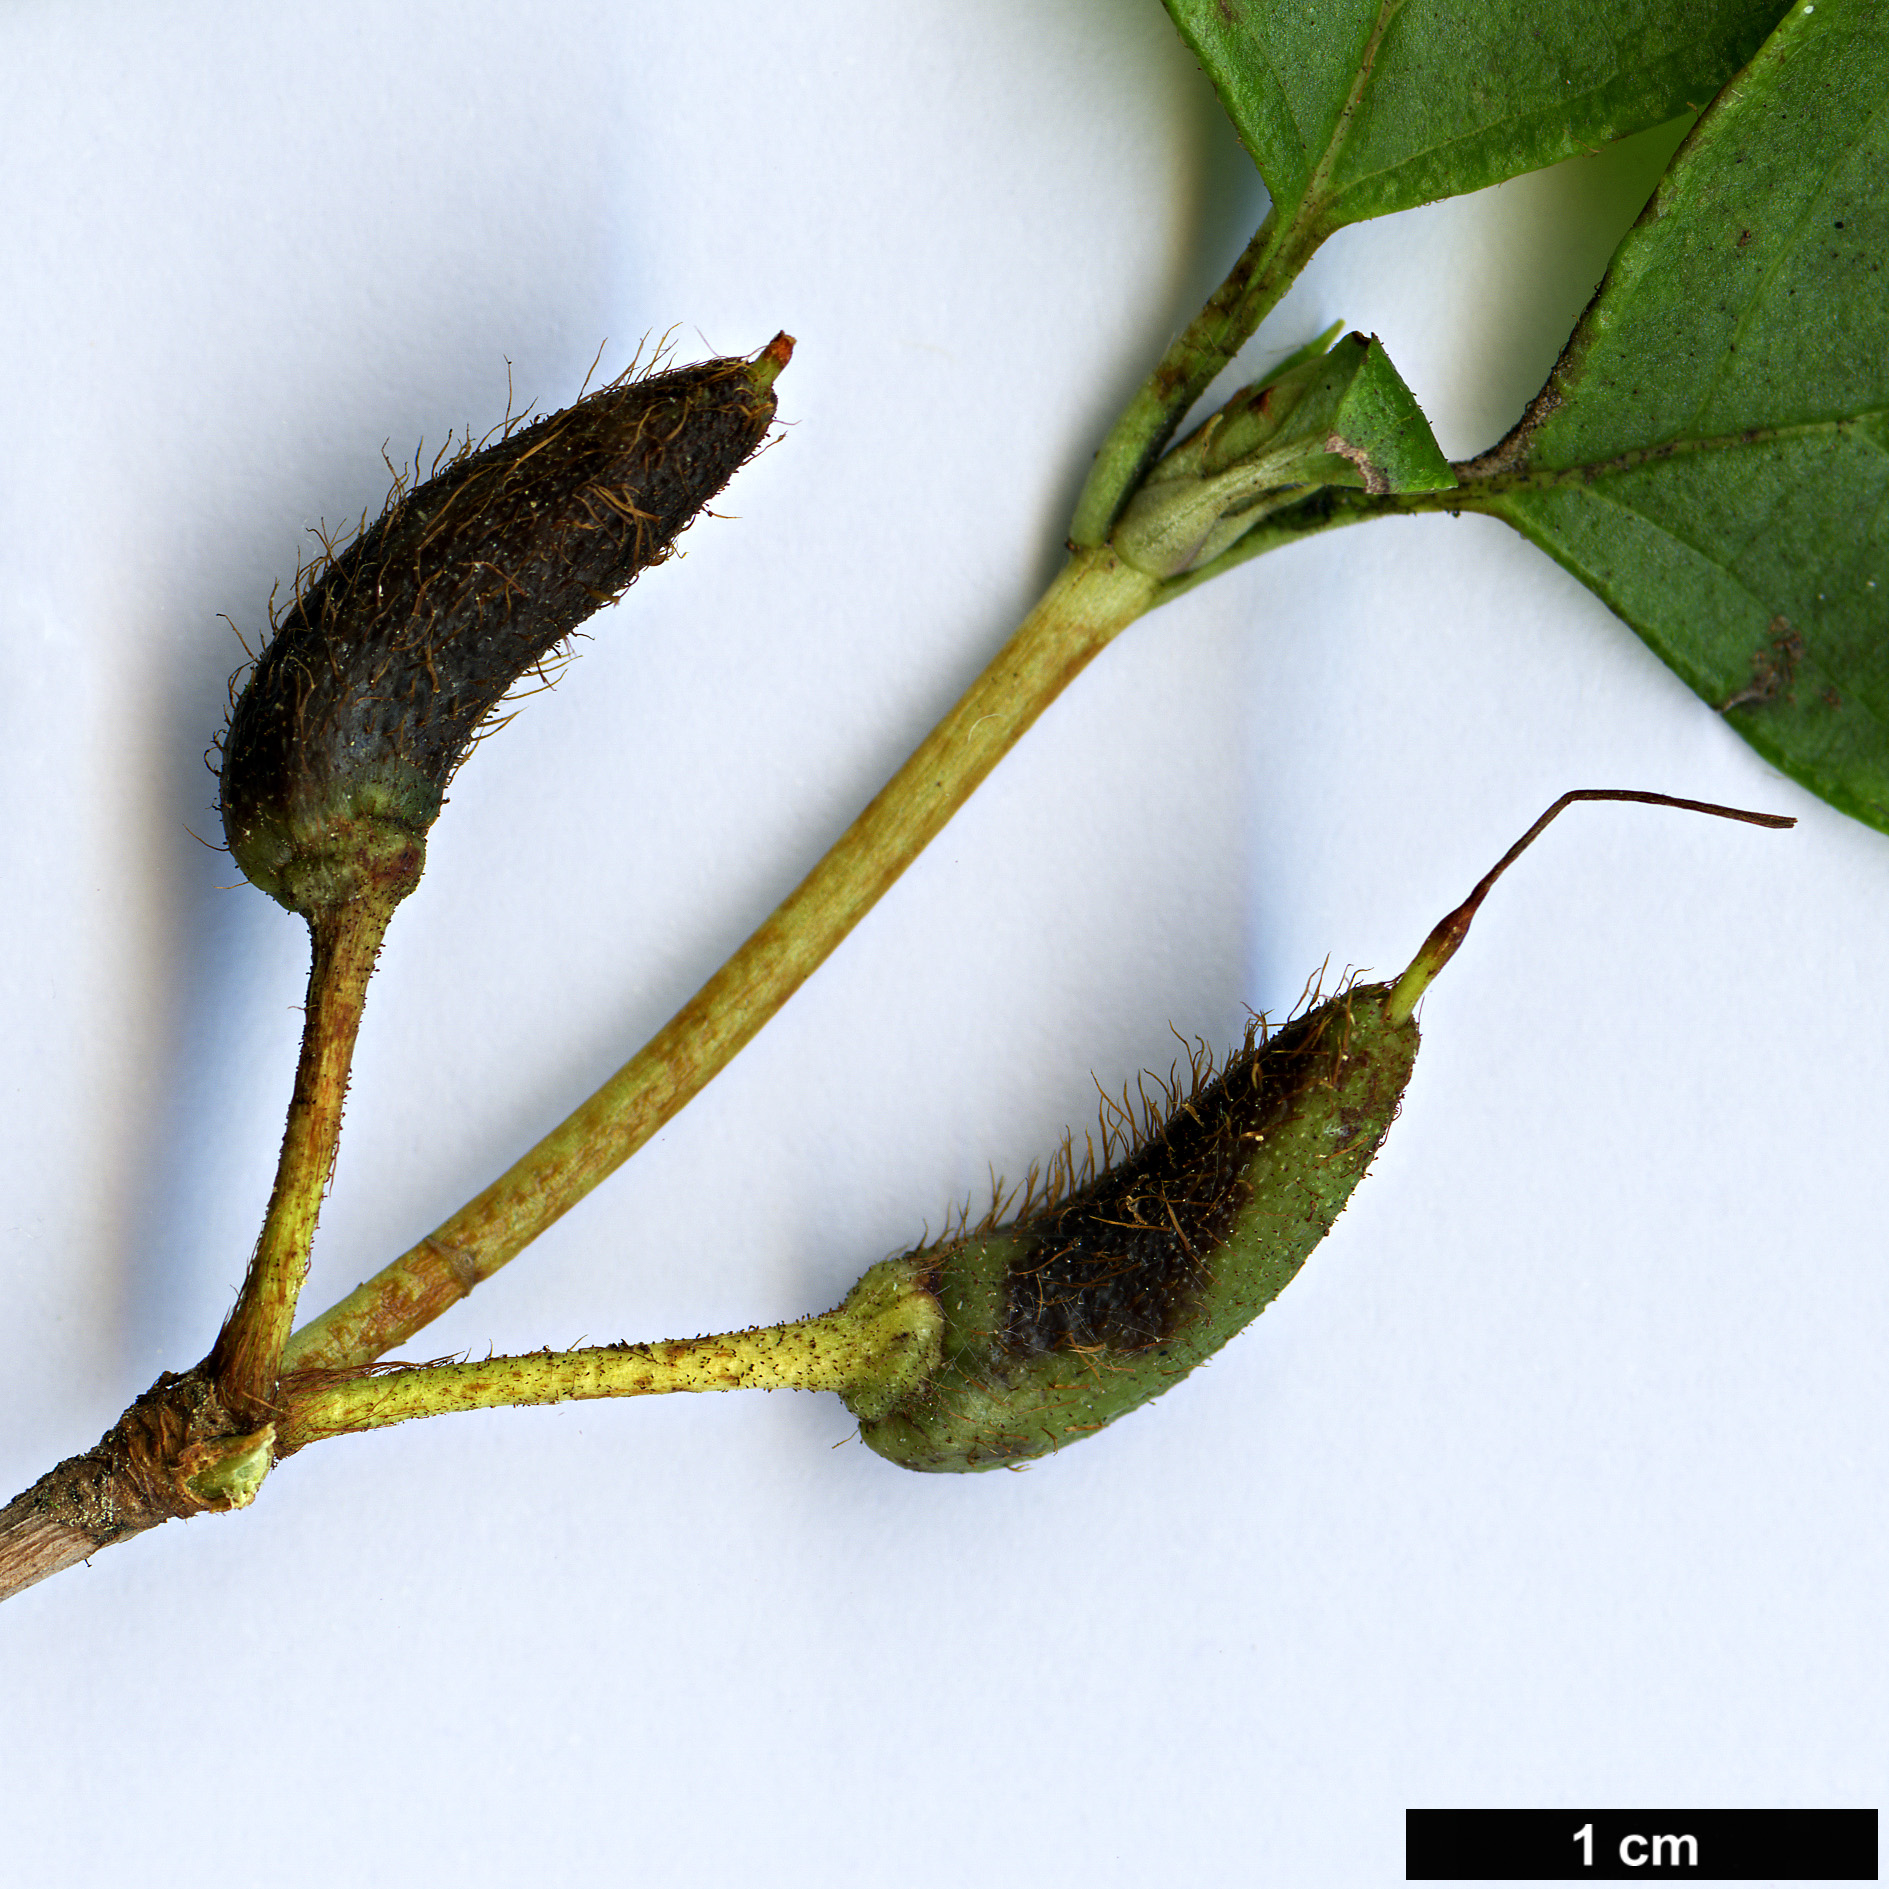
(1711, 455)
(1381, 432)
(1354, 108)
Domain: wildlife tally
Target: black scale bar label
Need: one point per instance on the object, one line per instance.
(1639, 1845)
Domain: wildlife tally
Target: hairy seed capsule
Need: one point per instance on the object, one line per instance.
(1069, 1318)
(369, 694)
(1074, 1315)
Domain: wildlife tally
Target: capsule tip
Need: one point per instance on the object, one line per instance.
(772, 358)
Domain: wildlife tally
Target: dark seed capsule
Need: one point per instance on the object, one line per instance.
(1069, 1318)
(370, 692)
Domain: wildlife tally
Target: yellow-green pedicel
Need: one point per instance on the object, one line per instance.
(1063, 1321)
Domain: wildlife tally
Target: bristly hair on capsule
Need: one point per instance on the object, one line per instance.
(397, 649)
(1121, 1236)
(1125, 1124)
(1112, 1286)
(1101, 1298)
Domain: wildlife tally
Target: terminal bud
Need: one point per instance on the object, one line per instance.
(1342, 417)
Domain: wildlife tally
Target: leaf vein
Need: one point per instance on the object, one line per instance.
(1313, 198)
(1851, 426)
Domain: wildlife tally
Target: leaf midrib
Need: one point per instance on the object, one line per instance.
(1311, 202)
(1334, 149)
(1471, 138)
(1589, 471)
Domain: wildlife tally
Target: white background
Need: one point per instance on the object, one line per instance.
(1556, 1478)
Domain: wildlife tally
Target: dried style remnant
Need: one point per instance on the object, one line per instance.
(376, 681)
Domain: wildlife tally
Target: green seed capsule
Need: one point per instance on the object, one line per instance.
(369, 694)
(1070, 1317)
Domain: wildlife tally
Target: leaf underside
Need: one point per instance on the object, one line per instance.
(1711, 455)
(1355, 108)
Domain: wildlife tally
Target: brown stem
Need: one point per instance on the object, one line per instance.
(247, 1356)
(38, 1539)
(177, 1451)
(202, 1441)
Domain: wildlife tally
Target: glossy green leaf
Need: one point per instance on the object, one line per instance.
(1353, 108)
(1711, 455)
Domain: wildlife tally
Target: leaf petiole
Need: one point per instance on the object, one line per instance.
(1267, 267)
